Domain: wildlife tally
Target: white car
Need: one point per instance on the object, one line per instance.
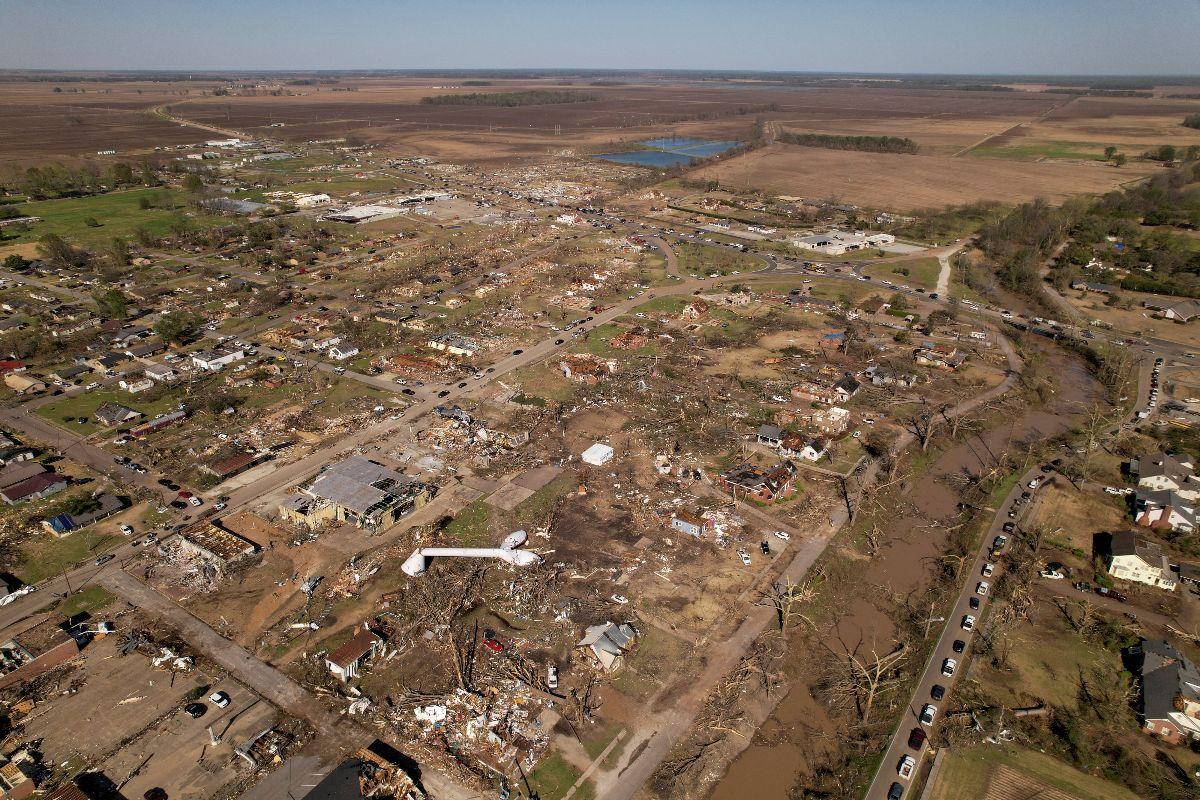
(783, 535)
(908, 765)
(744, 556)
(196, 501)
(620, 598)
(948, 667)
(1113, 490)
(1035, 483)
(552, 676)
(1052, 575)
(126, 529)
(968, 623)
(928, 713)
(988, 569)
(219, 699)
(982, 588)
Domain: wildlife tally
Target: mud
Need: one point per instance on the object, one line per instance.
(799, 729)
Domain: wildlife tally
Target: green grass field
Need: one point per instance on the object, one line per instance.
(554, 777)
(117, 212)
(85, 404)
(921, 272)
(44, 556)
(966, 774)
(1074, 151)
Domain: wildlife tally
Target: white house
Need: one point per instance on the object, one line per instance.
(1159, 472)
(217, 359)
(597, 455)
(341, 352)
(1165, 510)
(1136, 559)
(135, 386)
(346, 662)
(454, 345)
(160, 372)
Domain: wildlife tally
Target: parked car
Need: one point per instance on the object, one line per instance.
(104, 559)
(958, 646)
(988, 569)
(1009, 527)
(196, 501)
(982, 588)
(973, 603)
(907, 766)
(620, 599)
(968, 622)
(744, 556)
(916, 738)
(493, 644)
(219, 699)
(783, 535)
(196, 710)
(552, 676)
(948, 667)
(999, 542)
(937, 692)
(928, 713)
(1113, 593)
(896, 792)
(1035, 483)
(126, 529)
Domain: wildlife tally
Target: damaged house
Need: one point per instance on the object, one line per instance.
(607, 644)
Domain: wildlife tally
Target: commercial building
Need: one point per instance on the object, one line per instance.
(367, 493)
(836, 242)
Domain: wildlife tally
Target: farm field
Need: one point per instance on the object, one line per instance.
(911, 182)
(40, 124)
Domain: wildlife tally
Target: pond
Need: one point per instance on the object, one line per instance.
(670, 152)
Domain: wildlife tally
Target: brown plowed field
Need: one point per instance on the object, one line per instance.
(905, 183)
(38, 124)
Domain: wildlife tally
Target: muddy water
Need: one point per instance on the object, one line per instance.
(796, 730)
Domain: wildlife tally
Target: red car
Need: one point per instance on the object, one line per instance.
(185, 495)
(493, 645)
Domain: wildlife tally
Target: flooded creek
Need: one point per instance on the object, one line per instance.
(798, 727)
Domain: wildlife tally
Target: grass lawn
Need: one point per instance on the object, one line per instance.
(595, 738)
(597, 343)
(43, 556)
(966, 773)
(89, 599)
(657, 653)
(472, 526)
(117, 212)
(669, 305)
(554, 777)
(85, 404)
(921, 272)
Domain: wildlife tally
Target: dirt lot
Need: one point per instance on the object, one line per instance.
(109, 679)
(176, 753)
(909, 182)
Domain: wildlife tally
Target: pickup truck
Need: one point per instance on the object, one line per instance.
(1113, 593)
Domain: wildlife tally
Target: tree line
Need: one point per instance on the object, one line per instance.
(866, 144)
(58, 180)
(532, 97)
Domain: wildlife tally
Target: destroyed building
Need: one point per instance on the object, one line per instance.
(358, 490)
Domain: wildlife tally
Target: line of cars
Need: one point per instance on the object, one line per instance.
(918, 736)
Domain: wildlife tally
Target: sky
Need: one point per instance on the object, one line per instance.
(1073, 37)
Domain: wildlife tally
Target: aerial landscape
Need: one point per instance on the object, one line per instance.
(464, 402)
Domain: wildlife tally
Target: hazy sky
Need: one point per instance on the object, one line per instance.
(962, 36)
